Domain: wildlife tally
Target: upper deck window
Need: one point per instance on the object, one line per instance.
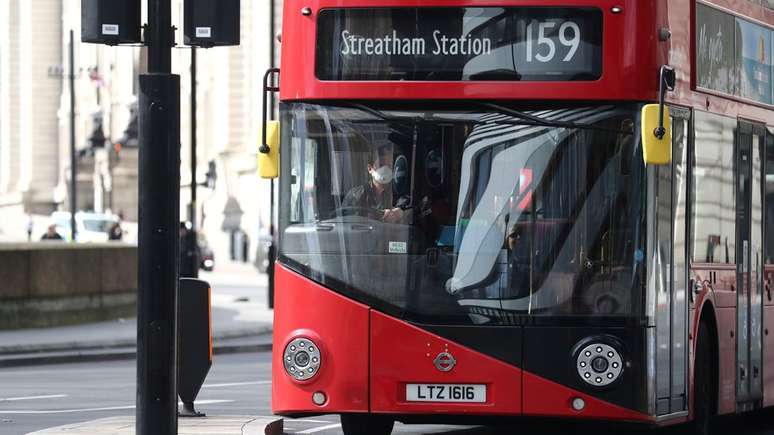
(734, 55)
(767, 3)
(459, 44)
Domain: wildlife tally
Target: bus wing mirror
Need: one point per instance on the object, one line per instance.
(268, 162)
(656, 137)
(268, 153)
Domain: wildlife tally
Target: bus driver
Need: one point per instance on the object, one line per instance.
(376, 194)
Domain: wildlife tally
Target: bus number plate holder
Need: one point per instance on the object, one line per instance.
(452, 393)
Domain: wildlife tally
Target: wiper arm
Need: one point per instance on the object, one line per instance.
(522, 115)
(536, 120)
(530, 119)
(383, 116)
(521, 118)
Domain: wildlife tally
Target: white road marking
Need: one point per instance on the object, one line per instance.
(11, 372)
(13, 399)
(235, 384)
(321, 428)
(109, 408)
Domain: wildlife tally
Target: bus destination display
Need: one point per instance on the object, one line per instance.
(460, 44)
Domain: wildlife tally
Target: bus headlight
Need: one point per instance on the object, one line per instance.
(302, 359)
(599, 364)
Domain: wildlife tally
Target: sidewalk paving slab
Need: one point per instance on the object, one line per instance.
(219, 425)
(241, 320)
(253, 343)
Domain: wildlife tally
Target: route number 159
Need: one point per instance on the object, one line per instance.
(542, 48)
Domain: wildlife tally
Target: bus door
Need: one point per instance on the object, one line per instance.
(749, 267)
(671, 309)
(768, 269)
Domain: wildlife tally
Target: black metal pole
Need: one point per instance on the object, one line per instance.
(159, 248)
(192, 239)
(159, 36)
(272, 48)
(272, 247)
(73, 162)
(193, 139)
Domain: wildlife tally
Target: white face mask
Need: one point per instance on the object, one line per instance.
(383, 175)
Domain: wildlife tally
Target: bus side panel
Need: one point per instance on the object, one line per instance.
(726, 318)
(339, 326)
(551, 379)
(768, 335)
(543, 397)
(768, 354)
(720, 288)
(402, 354)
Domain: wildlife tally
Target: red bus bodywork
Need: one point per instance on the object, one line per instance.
(371, 355)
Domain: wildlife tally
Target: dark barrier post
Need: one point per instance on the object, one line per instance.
(159, 115)
(194, 342)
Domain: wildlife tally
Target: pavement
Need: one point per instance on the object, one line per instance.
(241, 322)
(224, 425)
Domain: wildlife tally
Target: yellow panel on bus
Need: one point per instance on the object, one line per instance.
(655, 150)
(268, 164)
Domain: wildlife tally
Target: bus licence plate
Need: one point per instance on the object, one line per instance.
(456, 393)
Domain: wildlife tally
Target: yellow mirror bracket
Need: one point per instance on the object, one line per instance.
(268, 163)
(656, 150)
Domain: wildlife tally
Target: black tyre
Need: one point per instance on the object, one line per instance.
(705, 398)
(366, 424)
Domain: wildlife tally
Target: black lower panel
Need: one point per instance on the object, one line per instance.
(549, 352)
(499, 342)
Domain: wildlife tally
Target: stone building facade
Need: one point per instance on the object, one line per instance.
(35, 119)
(30, 51)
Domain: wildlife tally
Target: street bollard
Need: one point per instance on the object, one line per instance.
(194, 342)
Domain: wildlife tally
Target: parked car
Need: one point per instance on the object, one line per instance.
(262, 251)
(206, 256)
(90, 226)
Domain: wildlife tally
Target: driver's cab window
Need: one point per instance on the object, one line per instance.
(346, 173)
(370, 176)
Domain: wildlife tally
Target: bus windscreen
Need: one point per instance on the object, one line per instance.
(459, 44)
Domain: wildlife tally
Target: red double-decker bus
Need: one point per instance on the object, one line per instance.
(476, 220)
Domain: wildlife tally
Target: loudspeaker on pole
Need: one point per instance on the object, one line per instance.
(111, 22)
(211, 23)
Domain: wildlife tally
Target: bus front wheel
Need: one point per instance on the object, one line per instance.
(366, 424)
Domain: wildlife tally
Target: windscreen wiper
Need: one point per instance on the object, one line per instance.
(536, 120)
(383, 116)
(420, 119)
(520, 118)
(432, 118)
